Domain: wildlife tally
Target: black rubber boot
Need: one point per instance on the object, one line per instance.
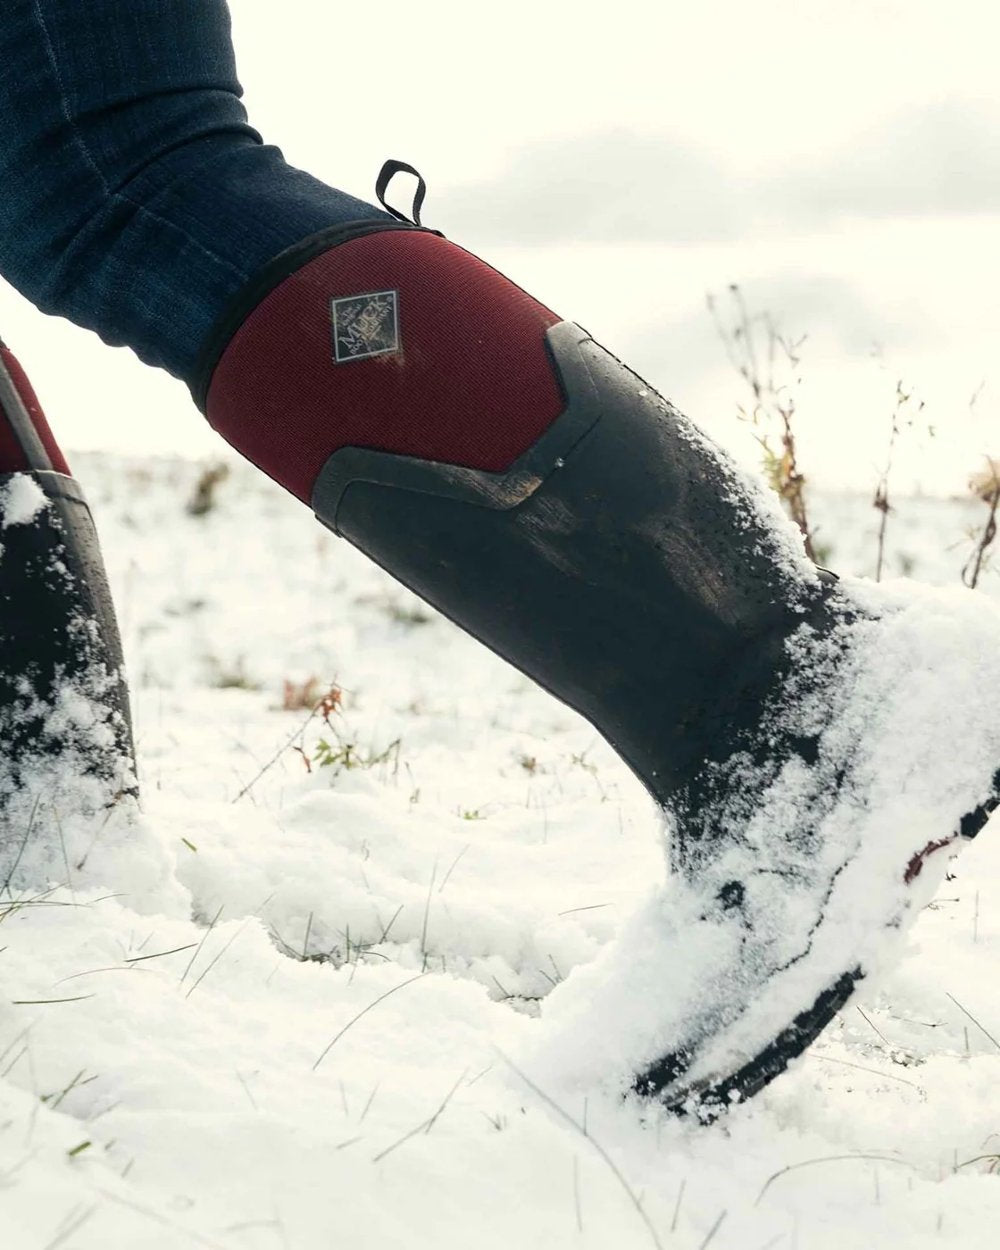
(516, 475)
(66, 748)
(629, 568)
(622, 563)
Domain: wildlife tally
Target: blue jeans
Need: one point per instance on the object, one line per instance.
(135, 198)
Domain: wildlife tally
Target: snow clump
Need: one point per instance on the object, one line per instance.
(21, 501)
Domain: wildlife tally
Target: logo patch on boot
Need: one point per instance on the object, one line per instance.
(365, 325)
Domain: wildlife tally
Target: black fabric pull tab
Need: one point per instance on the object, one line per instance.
(388, 171)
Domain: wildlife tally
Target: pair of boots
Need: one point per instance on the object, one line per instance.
(815, 747)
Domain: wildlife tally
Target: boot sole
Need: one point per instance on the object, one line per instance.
(710, 1097)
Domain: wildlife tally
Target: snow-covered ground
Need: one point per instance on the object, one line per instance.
(290, 1014)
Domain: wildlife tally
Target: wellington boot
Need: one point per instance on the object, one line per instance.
(516, 475)
(66, 755)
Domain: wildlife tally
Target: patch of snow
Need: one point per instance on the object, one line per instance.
(21, 501)
(281, 1007)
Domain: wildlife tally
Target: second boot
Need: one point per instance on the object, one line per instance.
(66, 751)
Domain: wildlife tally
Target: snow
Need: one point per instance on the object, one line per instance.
(282, 1008)
(21, 500)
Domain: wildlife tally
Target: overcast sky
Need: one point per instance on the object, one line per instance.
(839, 160)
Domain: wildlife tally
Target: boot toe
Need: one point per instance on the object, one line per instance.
(797, 871)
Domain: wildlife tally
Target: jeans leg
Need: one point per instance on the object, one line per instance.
(136, 198)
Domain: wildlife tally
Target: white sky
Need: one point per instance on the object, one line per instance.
(837, 159)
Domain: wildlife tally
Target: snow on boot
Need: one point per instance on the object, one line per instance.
(811, 742)
(66, 755)
(801, 851)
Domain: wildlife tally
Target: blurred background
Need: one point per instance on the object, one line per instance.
(837, 159)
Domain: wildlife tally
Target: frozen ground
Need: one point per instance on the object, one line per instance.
(290, 1016)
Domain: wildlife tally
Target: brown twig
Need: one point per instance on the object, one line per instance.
(773, 411)
(987, 487)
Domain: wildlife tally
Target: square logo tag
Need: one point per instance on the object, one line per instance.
(365, 325)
